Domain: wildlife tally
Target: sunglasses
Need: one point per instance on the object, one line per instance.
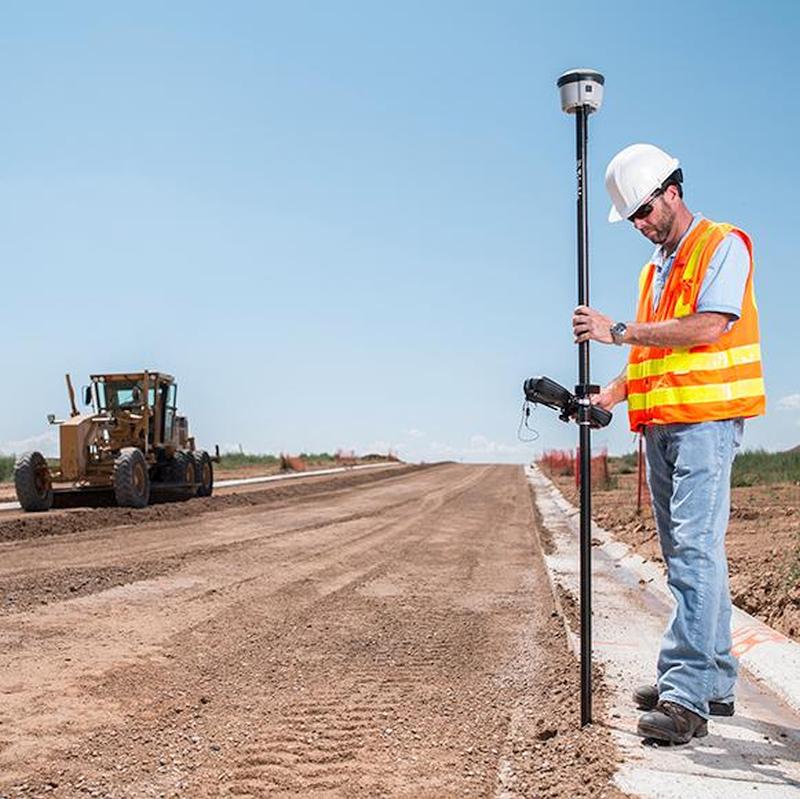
(645, 210)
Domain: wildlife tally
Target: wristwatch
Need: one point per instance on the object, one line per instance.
(618, 330)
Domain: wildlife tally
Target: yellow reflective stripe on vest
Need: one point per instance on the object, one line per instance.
(691, 395)
(683, 308)
(682, 361)
(643, 275)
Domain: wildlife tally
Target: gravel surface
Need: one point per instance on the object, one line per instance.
(389, 636)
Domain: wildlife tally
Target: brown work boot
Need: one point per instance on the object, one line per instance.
(672, 723)
(646, 698)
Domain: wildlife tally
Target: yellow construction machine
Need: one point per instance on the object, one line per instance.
(132, 441)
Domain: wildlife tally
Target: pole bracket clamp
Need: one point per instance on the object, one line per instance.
(583, 390)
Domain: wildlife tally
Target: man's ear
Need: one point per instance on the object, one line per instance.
(671, 194)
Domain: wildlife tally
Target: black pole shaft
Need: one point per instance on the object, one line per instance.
(581, 138)
(581, 130)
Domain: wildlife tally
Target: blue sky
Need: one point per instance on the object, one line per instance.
(351, 224)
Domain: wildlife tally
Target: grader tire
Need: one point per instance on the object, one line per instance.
(33, 482)
(182, 469)
(131, 479)
(204, 473)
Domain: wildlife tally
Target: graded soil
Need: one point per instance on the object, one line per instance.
(377, 637)
(19, 524)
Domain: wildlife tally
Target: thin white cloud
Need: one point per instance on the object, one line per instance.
(46, 443)
(480, 445)
(791, 402)
(415, 433)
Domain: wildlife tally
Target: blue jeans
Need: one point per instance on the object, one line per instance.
(689, 474)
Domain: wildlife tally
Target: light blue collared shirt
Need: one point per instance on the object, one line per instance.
(723, 285)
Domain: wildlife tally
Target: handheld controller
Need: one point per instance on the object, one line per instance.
(544, 391)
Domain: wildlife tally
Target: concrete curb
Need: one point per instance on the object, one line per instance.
(768, 655)
(758, 749)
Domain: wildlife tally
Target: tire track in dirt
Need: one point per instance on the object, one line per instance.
(399, 653)
(35, 584)
(351, 542)
(313, 751)
(21, 593)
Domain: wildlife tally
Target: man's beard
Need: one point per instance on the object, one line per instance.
(659, 231)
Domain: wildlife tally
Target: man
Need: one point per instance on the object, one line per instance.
(693, 375)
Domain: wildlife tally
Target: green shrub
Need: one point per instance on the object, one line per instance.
(233, 460)
(754, 467)
(623, 464)
(6, 467)
(610, 484)
(317, 456)
(758, 467)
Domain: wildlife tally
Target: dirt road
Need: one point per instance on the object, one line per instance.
(385, 637)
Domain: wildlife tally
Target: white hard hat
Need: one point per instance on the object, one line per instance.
(633, 175)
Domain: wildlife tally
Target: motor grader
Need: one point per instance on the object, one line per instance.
(131, 442)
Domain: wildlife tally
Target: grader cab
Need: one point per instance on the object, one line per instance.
(131, 442)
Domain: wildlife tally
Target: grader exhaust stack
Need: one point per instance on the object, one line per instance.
(71, 392)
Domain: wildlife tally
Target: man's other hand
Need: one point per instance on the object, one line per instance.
(606, 399)
(591, 325)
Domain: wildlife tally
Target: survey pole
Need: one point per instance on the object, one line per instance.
(581, 94)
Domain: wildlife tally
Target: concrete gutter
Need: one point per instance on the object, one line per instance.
(757, 752)
(265, 479)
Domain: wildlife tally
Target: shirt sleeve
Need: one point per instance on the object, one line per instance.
(723, 285)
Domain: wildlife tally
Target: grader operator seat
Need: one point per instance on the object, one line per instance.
(122, 397)
(144, 406)
(132, 401)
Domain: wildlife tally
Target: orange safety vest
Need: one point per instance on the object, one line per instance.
(722, 380)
